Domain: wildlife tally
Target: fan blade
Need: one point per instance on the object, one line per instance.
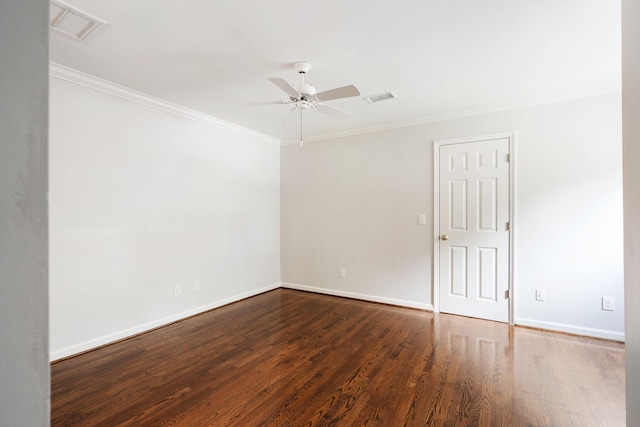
(255, 104)
(341, 92)
(332, 111)
(285, 86)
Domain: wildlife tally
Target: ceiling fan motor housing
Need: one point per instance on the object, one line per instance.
(305, 89)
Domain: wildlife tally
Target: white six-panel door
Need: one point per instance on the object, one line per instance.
(474, 229)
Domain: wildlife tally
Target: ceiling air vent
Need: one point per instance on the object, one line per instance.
(72, 22)
(380, 97)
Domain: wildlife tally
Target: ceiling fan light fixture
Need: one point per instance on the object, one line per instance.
(303, 105)
(380, 97)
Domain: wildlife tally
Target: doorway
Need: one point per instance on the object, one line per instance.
(473, 227)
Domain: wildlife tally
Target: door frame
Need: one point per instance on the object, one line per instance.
(511, 136)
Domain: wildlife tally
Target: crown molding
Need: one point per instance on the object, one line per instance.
(611, 86)
(78, 77)
(96, 83)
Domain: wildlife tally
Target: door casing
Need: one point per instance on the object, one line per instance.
(435, 285)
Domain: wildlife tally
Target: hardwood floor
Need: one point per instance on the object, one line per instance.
(289, 358)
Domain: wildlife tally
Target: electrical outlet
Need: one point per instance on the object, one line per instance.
(177, 290)
(607, 303)
(540, 295)
(196, 286)
(343, 273)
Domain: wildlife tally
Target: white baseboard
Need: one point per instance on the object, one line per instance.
(571, 329)
(116, 336)
(364, 297)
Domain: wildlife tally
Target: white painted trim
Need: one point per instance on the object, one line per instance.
(510, 135)
(571, 329)
(145, 327)
(435, 280)
(610, 86)
(116, 336)
(96, 83)
(353, 295)
(475, 138)
(512, 228)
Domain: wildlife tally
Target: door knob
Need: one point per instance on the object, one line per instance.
(444, 237)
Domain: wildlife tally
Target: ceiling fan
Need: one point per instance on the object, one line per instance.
(304, 96)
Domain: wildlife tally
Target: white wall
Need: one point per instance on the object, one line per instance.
(631, 149)
(141, 200)
(24, 365)
(353, 202)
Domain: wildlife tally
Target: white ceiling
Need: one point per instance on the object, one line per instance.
(438, 56)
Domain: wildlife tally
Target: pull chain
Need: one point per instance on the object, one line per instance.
(301, 85)
(301, 128)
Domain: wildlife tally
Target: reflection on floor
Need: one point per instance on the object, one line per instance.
(289, 358)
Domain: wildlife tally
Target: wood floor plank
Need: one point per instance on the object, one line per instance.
(289, 358)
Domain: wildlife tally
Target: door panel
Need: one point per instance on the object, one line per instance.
(458, 284)
(487, 274)
(488, 203)
(458, 204)
(474, 212)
